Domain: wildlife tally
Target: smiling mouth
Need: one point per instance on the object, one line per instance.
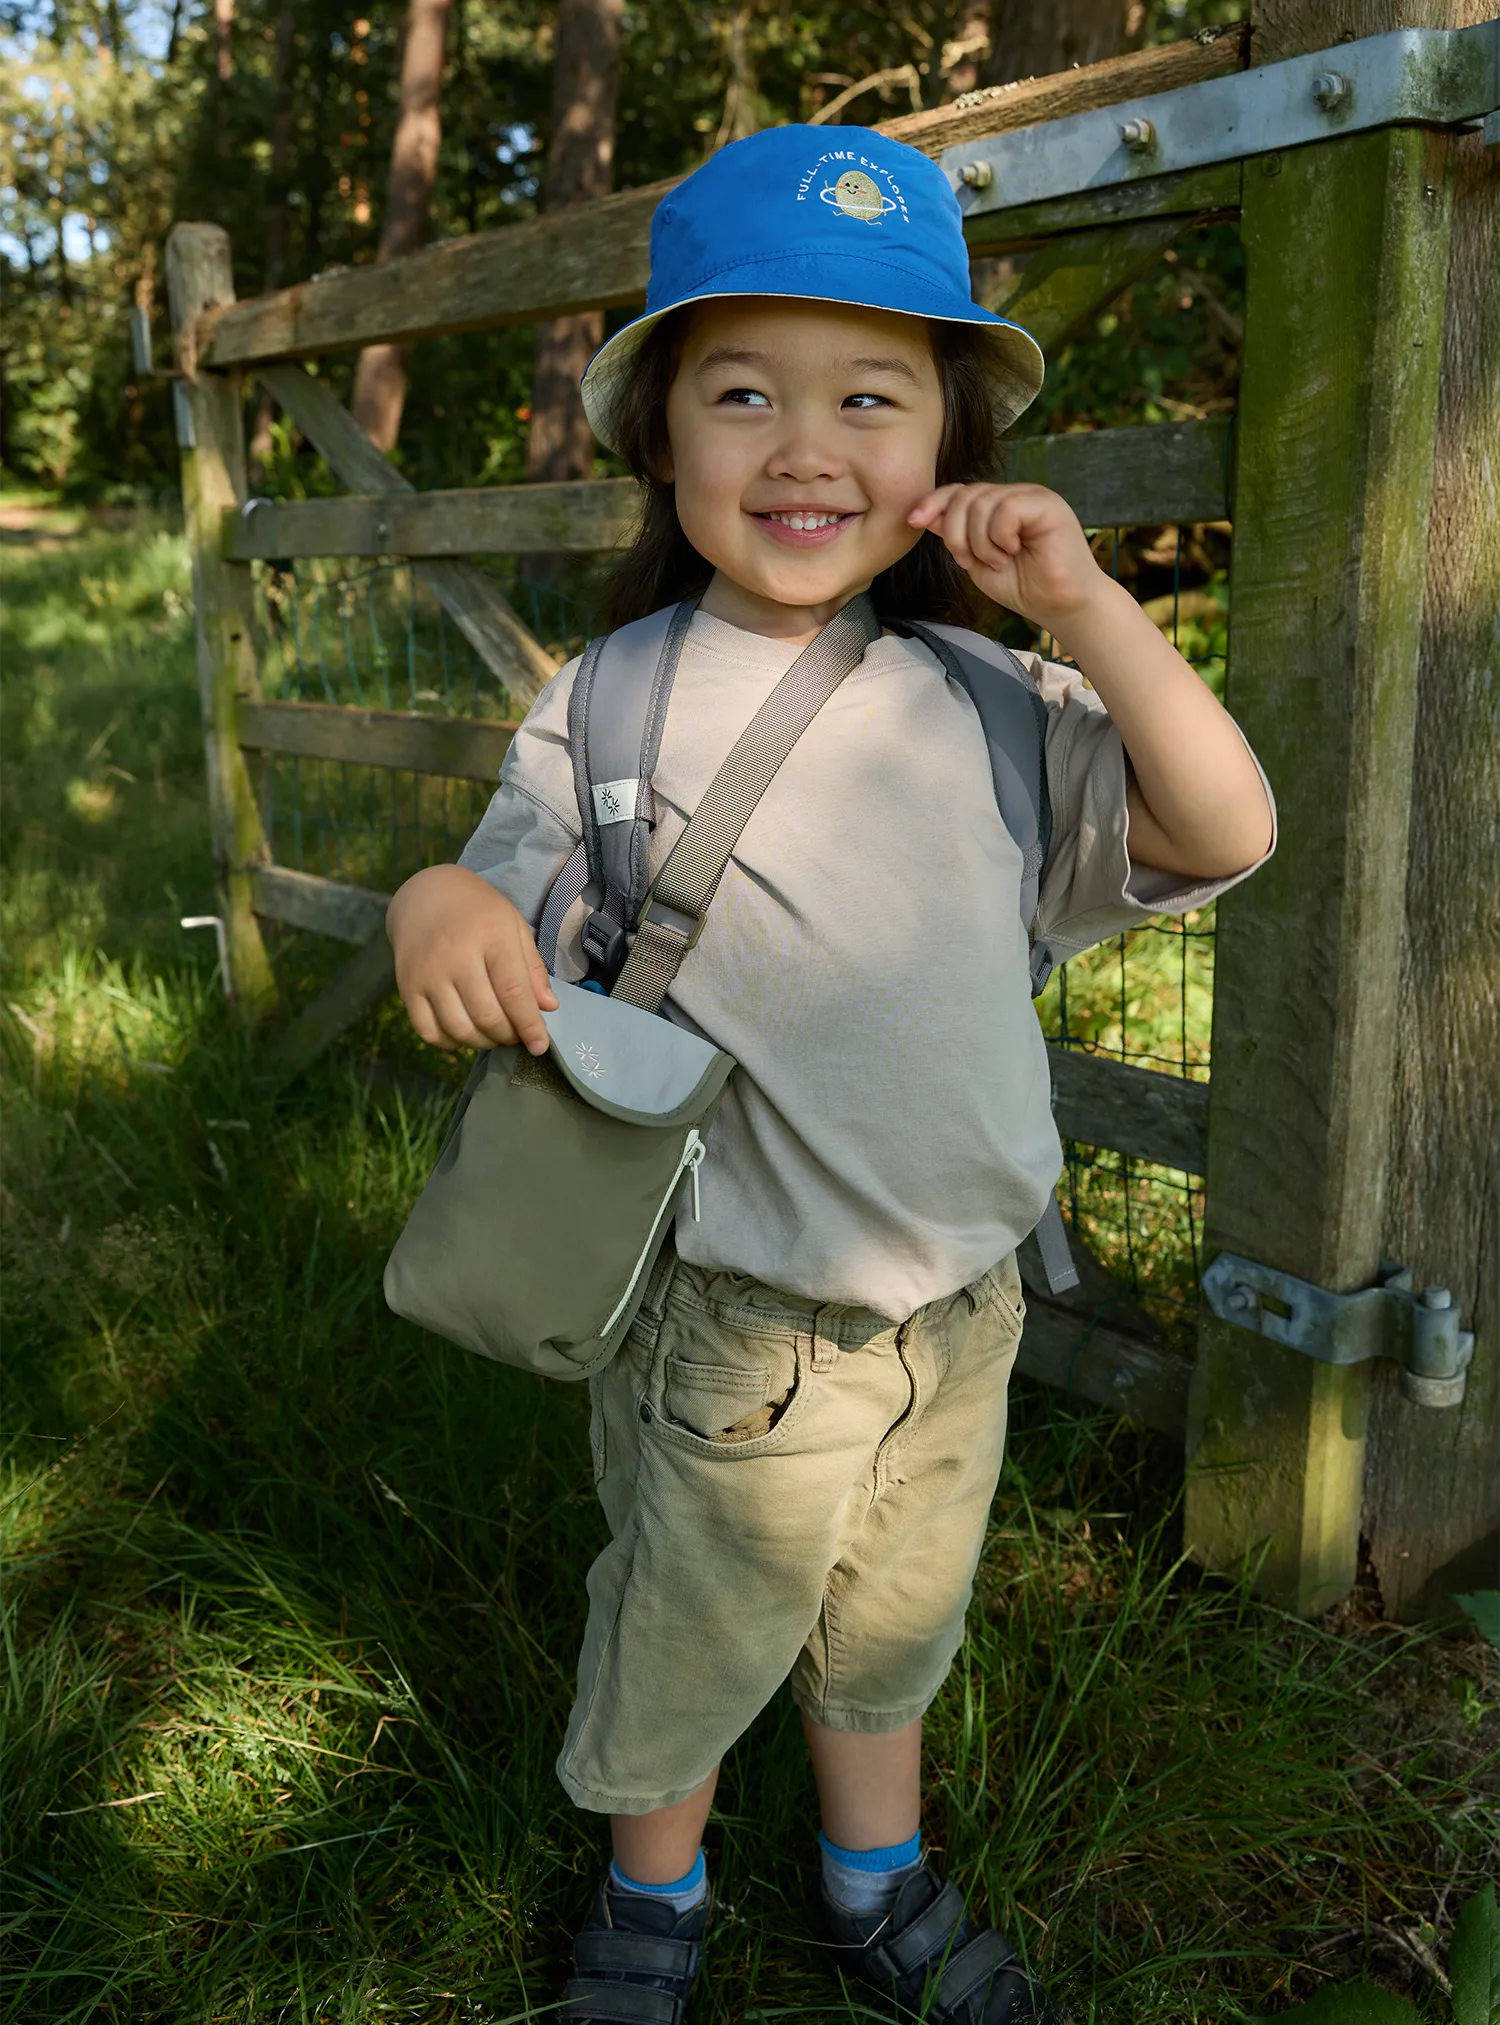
(805, 527)
(801, 520)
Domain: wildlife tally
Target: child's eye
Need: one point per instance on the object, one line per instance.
(746, 397)
(866, 401)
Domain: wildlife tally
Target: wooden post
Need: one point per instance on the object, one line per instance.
(1347, 256)
(1432, 1480)
(211, 435)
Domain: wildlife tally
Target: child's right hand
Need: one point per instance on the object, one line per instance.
(467, 965)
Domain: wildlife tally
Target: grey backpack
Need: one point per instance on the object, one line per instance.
(616, 715)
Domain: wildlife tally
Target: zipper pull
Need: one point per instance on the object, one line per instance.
(694, 1158)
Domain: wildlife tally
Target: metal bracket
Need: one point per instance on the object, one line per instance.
(1445, 77)
(1418, 1331)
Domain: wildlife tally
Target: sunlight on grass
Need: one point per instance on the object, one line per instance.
(293, 1594)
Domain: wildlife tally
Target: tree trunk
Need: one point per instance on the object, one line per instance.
(1027, 40)
(380, 378)
(580, 165)
(276, 196)
(223, 29)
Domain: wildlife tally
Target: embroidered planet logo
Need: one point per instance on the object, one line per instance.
(856, 195)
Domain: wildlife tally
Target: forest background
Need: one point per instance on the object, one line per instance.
(277, 121)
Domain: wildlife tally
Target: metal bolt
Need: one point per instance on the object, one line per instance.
(1330, 90)
(1241, 1299)
(1436, 1297)
(1138, 134)
(978, 175)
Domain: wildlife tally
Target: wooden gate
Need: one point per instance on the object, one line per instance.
(1332, 492)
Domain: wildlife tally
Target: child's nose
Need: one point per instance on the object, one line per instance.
(804, 452)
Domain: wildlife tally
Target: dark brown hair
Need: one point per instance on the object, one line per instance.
(662, 565)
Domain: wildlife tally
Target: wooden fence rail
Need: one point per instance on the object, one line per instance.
(597, 256)
(1166, 474)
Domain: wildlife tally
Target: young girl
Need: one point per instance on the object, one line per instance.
(798, 1444)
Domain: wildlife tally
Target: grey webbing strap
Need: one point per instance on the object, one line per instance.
(615, 717)
(672, 917)
(1052, 1243)
(1013, 718)
(566, 888)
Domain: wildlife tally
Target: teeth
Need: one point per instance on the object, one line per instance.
(800, 521)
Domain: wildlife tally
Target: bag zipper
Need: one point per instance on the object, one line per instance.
(693, 1152)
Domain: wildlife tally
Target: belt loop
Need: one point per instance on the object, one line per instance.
(825, 1344)
(663, 1272)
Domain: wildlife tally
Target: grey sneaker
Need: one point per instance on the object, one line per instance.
(635, 1960)
(925, 1955)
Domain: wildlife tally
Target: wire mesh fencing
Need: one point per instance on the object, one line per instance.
(1146, 998)
(372, 636)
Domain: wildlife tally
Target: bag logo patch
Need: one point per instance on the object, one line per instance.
(854, 186)
(588, 1062)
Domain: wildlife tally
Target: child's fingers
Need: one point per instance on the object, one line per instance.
(929, 512)
(425, 1022)
(515, 997)
(996, 521)
(536, 970)
(455, 1029)
(965, 527)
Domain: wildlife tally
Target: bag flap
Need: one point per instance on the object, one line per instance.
(631, 1064)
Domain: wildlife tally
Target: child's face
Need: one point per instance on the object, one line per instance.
(786, 410)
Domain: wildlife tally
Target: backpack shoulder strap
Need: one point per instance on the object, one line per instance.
(615, 716)
(1014, 720)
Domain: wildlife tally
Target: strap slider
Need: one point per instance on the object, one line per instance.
(688, 926)
(604, 945)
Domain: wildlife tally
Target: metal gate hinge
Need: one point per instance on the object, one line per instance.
(1417, 1330)
(1445, 77)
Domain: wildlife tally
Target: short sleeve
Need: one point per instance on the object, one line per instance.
(1090, 890)
(530, 829)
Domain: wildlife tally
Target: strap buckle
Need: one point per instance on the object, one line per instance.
(605, 947)
(688, 926)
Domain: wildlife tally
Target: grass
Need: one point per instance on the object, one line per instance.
(294, 1594)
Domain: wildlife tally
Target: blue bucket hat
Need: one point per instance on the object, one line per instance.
(828, 214)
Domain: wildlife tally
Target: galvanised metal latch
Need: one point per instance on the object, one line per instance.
(1418, 1331)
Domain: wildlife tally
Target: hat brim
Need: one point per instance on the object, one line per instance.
(1012, 359)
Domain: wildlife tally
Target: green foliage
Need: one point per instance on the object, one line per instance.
(112, 124)
(1484, 1608)
(1356, 2004)
(1474, 1961)
(1474, 1971)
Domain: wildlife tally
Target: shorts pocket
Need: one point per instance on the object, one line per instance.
(719, 1404)
(721, 1386)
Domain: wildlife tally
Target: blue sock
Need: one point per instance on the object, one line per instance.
(867, 1880)
(681, 1896)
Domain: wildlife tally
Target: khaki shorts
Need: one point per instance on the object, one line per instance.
(791, 1490)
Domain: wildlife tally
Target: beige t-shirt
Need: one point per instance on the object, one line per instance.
(888, 1134)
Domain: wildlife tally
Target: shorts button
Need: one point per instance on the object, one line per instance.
(646, 1414)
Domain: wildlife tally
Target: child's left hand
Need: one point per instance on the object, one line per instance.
(1020, 544)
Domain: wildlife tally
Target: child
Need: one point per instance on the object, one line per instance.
(797, 1446)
